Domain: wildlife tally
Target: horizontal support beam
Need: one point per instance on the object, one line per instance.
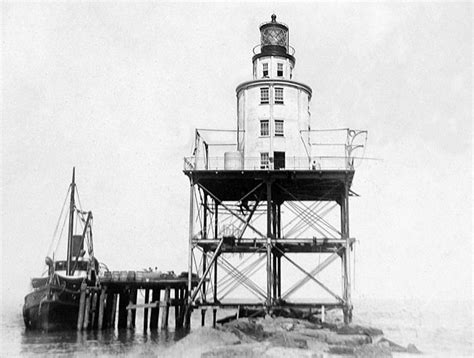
(282, 241)
(285, 245)
(224, 305)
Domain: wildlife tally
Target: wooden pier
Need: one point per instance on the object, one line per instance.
(115, 301)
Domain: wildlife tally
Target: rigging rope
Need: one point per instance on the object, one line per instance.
(57, 224)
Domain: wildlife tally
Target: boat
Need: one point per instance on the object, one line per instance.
(53, 303)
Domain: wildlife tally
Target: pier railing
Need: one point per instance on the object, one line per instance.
(253, 163)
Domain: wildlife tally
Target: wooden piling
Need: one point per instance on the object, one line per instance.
(114, 310)
(87, 312)
(82, 304)
(155, 311)
(102, 300)
(181, 308)
(177, 304)
(145, 312)
(187, 313)
(123, 303)
(94, 309)
(133, 312)
(166, 309)
(203, 317)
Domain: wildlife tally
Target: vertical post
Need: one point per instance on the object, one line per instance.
(274, 266)
(103, 295)
(204, 266)
(216, 225)
(82, 306)
(279, 256)
(323, 314)
(204, 254)
(145, 311)
(87, 310)
(166, 309)
(269, 244)
(191, 230)
(109, 306)
(94, 297)
(177, 305)
(279, 276)
(155, 311)
(123, 303)
(347, 309)
(71, 224)
(203, 317)
(133, 312)
(216, 219)
(114, 310)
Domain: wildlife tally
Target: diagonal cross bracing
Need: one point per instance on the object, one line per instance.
(310, 219)
(313, 273)
(320, 219)
(310, 276)
(248, 271)
(243, 279)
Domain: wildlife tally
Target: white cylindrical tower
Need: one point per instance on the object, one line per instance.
(273, 117)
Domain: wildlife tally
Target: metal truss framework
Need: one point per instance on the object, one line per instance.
(227, 209)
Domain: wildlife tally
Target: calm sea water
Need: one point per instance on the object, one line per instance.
(439, 329)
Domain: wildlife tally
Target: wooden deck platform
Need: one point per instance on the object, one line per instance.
(114, 303)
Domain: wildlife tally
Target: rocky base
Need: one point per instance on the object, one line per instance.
(286, 337)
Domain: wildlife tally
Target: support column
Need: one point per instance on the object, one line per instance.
(204, 253)
(269, 244)
(191, 230)
(82, 306)
(123, 303)
(347, 309)
(145, 312)
(216, 237)
(155, 311)
(166, 309)
(102, 301)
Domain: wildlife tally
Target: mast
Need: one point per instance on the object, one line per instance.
(71, 224)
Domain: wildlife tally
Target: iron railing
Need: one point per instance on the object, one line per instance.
(288, 163)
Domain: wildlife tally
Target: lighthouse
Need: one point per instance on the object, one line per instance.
(270, 196)
(273, 116)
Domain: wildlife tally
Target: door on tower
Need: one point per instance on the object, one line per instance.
(279, 160)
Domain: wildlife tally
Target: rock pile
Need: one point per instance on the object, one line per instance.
(286, 337)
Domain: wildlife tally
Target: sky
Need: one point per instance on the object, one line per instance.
(116, 90)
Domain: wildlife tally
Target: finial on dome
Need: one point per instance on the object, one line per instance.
(274, 17)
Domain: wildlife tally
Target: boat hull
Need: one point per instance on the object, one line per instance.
(52, 307)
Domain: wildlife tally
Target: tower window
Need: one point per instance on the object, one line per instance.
(264, 95)
(279, 128)
(279, 95)
(264, 128)
(265, 69)
(264, 161)
(280, 70)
